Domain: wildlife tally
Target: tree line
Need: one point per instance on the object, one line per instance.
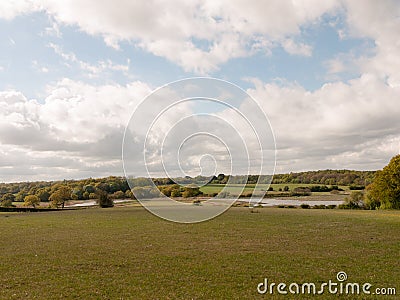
(382, 188)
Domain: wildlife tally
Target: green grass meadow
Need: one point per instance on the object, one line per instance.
(127, 253)
(249, 188)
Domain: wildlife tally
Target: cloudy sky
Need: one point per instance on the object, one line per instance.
(326, 73)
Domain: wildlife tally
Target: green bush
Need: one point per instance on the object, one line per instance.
(305, 206)
(118, 195)
(321, 206)
(146, 192)
(104, 200)
(176, 193)
(301, 191)
(356, 187)
(247, 195)
(191, 192)
(355, 201)
(7, 200)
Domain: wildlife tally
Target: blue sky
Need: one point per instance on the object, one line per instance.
(30, 71)
(308, 64)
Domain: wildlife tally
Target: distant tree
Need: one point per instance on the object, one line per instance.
(129, 194)
(89, 188)
(140, 182)
(191, 192)
(286, 188)
(384, 191)
(7, 200)
(31, 200)
(104, 200)
(43, 194)
(301, 191)
(103, 186)
(118, 195)
(77, 194)
(146, 192)
(176, 193)
(85, 195)
(21, 196)
(60, 196)
(9, 197)
(356, 200)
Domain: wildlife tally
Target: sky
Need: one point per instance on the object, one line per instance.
(72, 73)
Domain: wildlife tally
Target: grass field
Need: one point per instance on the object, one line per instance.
(127, 253)
(249, 188)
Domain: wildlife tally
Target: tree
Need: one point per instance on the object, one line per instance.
(191, 192)
(77, 194)
(62, 194)
(43, 194)
(384, 191)
(89, 188)
(86, 195)
(31, 200)
(356, 200)
(20, 196)
(118, 195)
(146, 192)
(176, 193)
(104, 200)
(7, 199)
(129, 194)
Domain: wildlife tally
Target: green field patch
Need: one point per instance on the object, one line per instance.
(127, 253)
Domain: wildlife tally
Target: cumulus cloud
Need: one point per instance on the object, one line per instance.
(333, 125)
(294, 48)
(379, 21)
(176, 30)
(76, 128)
(10, 9)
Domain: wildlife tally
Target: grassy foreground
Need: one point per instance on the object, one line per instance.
(127, 253)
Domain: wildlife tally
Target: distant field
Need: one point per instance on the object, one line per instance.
(235, 188)
(127, 253)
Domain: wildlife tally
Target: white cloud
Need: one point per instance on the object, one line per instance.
(170, 29)
(380, 21)
(10, 9)
(76, 128)
(294, 48)
(90, 70)
(231, 28)
(76, 131)
(328, 127)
